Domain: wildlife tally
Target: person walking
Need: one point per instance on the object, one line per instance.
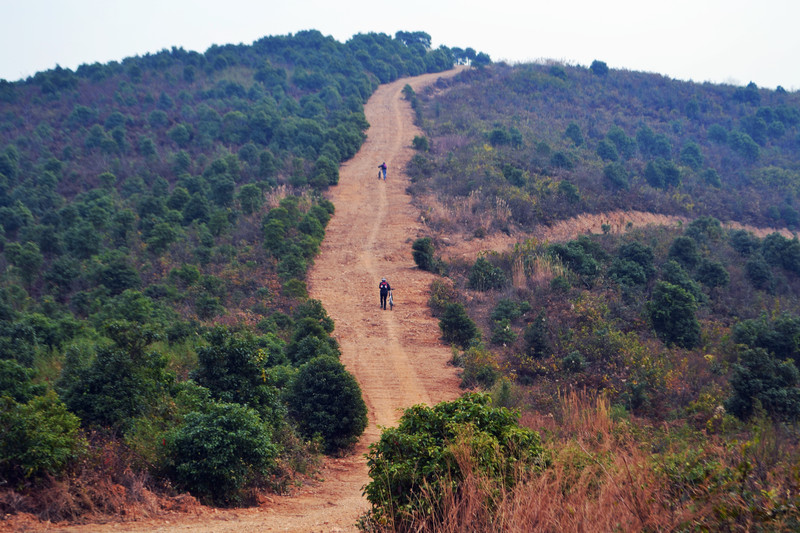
(384, 288)
(382, 169)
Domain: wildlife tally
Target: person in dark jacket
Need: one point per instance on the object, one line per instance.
(384, 288)
(382, 169)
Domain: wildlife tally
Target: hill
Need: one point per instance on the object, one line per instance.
(159, 217)
(676, 340)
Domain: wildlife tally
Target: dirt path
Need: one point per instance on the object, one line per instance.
(395, 355)
(468, 247)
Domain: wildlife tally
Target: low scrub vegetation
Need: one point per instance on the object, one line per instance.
(659, 363)
(158, 217)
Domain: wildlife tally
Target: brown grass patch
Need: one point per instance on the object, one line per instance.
(597, 482)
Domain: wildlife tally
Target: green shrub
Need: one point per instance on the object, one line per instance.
(422, 251)
(573, 132)
(502, 334)
(207, 306)
(309, 338)
(537, 343)
(780, 251)
(295, 288)
(582, 256)
(560, 284)
(759, 274)
(187, 274)
(627, 273)
(274, 233)
(480, 368)
(573, 362)
(640, 254)
(310, 225)
(122, 382)
(599, 68)
(326, 401)
(779, 336)
(457, 327)
(313, 309)
(442, 293)
(684, 250)
(217, 453)
(705, 229)
(484, 276)
(292, 266)
(672, 312)
(672, 272)
(16, 381)
(662, 173)
(326, 172)
(304, 350)
(414, 465)
(420, 143)
(607, 151)
(38, 437)
(761, 381)
(509, 309)
(616, 176)
(712, 274)
(232, 366)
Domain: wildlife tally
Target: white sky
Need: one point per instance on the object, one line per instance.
(722, 41)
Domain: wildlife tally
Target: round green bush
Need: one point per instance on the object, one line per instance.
(218, 453)
(457, 327)
(37, 438)
(422, 251)
(419, 456)
(484, 276)
(326, 402)
(672, 313)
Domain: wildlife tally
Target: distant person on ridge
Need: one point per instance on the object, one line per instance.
(384, 288)
(382, 168)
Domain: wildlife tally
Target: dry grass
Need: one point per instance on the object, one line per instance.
(602, 478)
(597, 482)
(542, 268)
(275, 195)
(448, 219)
(104, 487)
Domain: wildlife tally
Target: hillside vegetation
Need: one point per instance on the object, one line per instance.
(660, 362)
(157, 219)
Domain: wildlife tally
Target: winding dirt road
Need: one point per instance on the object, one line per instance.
(395, 355)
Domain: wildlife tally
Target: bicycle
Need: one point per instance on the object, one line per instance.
(391, 299)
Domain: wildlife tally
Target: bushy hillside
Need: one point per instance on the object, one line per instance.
(685, 339)
(158, 217)
(538, 143)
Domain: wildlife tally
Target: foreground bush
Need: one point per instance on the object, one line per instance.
(326, 401)
(218, 453)
(413, 465)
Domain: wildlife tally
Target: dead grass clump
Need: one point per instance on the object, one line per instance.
(275, 195)
(103, 487)
(543, 268)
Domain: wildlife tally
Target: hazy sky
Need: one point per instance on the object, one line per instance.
(722, 41)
